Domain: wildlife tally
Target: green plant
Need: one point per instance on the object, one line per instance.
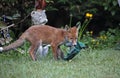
(85, 24)
(104, 40)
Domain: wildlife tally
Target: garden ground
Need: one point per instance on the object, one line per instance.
(87, 64)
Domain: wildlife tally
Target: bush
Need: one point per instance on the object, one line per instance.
(105, 39)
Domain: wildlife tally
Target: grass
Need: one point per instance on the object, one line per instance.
(87, 64)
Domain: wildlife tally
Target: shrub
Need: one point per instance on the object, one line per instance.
(105, 39)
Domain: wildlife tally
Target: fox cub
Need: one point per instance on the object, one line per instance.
(48, 35)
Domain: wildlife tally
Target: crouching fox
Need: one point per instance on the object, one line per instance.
(48, 35)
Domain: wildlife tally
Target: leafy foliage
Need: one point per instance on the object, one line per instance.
(105, 39)
(16, 10)
(77, 8)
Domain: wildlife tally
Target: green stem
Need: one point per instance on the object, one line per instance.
(86, 22)
(80, 33)
(70, 20)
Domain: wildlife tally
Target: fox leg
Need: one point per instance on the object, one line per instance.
(32, 52)
(54, 50)
(60, 53)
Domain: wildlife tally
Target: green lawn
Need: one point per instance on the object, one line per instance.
(87, 64)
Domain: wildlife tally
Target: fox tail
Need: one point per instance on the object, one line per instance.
(13, 45)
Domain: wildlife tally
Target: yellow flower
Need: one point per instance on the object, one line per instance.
(101, 37)
(88, 15)
(91, 32)
(91, 15)
(105, 37)
(93, 40)
(97, 43)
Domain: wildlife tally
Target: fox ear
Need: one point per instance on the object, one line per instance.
(67, 27)
(78, 25)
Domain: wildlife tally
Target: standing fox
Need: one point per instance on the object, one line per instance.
(48, 35)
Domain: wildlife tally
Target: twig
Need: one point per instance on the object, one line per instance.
(12, 25)
(8, 27)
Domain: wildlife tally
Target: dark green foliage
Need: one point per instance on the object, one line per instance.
(77, 8)
(105, 12)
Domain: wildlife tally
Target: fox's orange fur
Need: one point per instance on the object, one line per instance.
(48, 35)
